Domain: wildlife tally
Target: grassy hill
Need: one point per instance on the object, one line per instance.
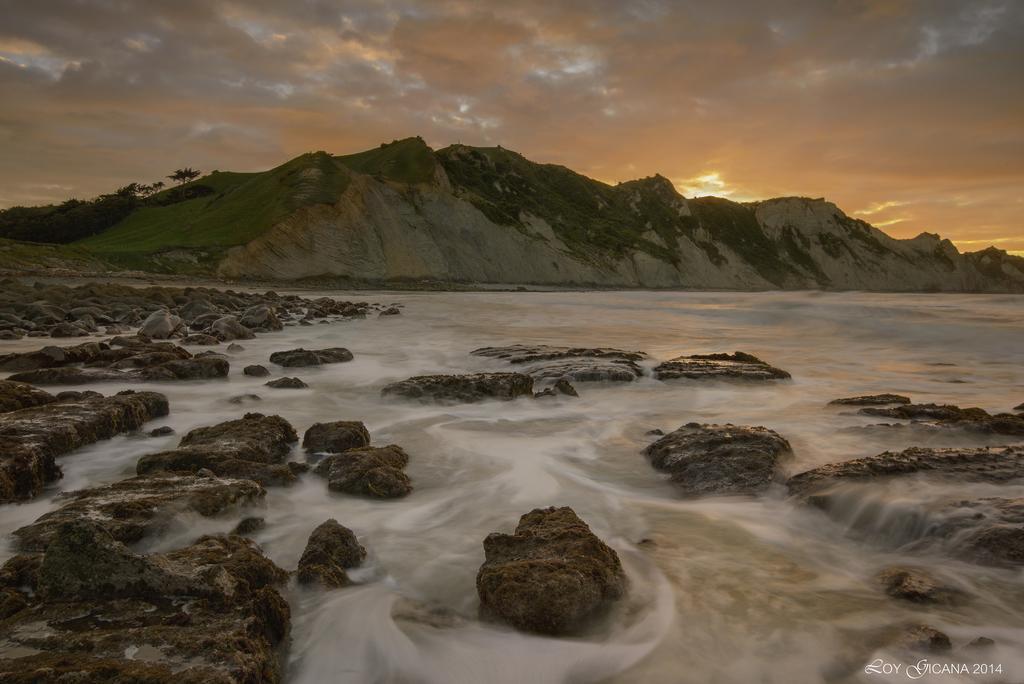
(402, 161)
(241, 207)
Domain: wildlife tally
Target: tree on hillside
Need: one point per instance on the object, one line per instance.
(182, 176)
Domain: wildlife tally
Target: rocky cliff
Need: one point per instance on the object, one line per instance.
(488, 215)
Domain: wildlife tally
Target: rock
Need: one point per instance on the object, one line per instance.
(562, 387)
(719, 459)
(390, 311)
(947, 415)
(922, 638)
(51, 356)
(530, 353)
(336, 437)
(132, 509)
(161, 431)
(656, 432)
(1019, 407)
(261, 318)
(872, 400)
(332, 549)
(247, 526)
(984, 464)
(256, 371)
(199, 368)
(235, 348)
(228, 328)
(368, 471)
(286, 383)
(738, 365)
(10, 335)
(71, 376)
(245, 399)
(552, 576)
(585, 370)
(67, 395)
(206, 613)
(201, 339)
(310, 357)
(160, 325)
(32, 438)
(981, 643)
(462, 388)
(917, 586)
(20, 395)
(253, 447)
(68, 330)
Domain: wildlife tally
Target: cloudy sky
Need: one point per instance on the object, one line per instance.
(909, 114)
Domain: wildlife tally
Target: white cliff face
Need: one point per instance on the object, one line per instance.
(383, 231)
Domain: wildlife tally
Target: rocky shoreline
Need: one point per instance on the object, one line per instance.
(80, 602)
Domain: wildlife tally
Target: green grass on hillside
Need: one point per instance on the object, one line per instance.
(403, 161)
(243, 207)
(33, 256)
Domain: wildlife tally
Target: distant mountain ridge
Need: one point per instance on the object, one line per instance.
(403, 213)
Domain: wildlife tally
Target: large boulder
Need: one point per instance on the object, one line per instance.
(19, 395)
(228, 328)
(735, 366)
(132, 509)
(160, 325)
(335, 437)
(552, 576)
(198, 368)
(462, 388)
(253, 447)
(310, 357)
(368, 471)
(208, 612)
(708, 459)
(261, 318)
(31, 439)
(331, 550)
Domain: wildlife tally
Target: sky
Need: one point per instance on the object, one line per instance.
(908, 114)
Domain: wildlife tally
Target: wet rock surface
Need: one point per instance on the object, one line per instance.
(530, 353)
(32, 438)
(253, 447)
(132, 509)
(286, 383)
(948, 415)
(256, 371)
(917, 586)
(871, 400)
(562, 387)
(462, 388)
(376, 472)
(96, 612)
(310, 357)
(706, 459)
(982, 464)
(19, 395)
(737, 366)
(336, 436)
(552, 576)
(331, 550)
(578, 364)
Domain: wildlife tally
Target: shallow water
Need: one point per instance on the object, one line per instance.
(724, 590)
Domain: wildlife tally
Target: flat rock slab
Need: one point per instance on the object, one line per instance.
(376, 472)
(917, 586)
(462, 388)
(871, 400)
(201, 368)
(552, 576)
(140, 506)
(947, 415)
(253, 447)
(530, 353)
(983, 464)
(310, 357)
(31, 439)
(20, 395)
(737, 366)
(707, 459)
(96, 612)
(331, 550)
(580, 364)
